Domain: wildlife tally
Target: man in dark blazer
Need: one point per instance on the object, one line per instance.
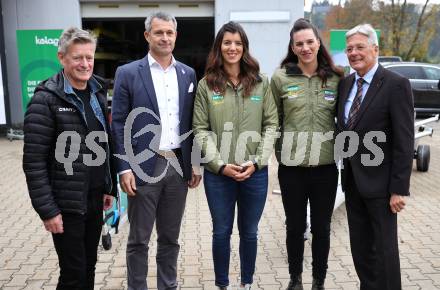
(151, 122)
(377, 106)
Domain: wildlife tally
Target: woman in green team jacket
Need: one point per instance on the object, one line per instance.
(305, 90)
(235, 122)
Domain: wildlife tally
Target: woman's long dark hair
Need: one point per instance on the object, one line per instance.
(326, 65)
(216, 76)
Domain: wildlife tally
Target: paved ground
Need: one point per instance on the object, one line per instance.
(28, 260)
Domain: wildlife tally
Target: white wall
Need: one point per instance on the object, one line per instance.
(268, 37)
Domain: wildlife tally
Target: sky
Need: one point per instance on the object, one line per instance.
(308, 3)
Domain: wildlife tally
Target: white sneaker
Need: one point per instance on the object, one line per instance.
(245, 287)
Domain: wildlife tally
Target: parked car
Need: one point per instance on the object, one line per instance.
(389, 58)
(425, 84)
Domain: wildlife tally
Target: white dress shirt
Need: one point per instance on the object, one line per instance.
(166, 88)
(167, 95)
(368, 77)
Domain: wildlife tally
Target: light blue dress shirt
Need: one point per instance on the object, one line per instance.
(368, 77)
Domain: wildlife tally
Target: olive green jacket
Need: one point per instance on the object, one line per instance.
(231, 128)
(307, 111)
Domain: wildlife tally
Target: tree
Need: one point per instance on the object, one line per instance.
(433, 51)
(422, 23)
(410, 31)
(406, 29)
(353, 13)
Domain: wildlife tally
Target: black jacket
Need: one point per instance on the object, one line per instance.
(50, 113)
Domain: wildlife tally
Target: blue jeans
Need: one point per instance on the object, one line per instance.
(223, 193)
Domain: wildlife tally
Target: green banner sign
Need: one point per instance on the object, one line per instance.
(37, 56)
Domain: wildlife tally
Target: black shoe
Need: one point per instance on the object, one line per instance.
(295, 283)
(318, 284)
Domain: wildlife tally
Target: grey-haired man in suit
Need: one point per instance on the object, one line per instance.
(375, 101)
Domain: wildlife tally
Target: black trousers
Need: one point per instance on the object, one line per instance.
(317, 185)
(373, 239)
(77, 247)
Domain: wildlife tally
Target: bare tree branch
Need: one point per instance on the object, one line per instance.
(418, 29)
(402, 15)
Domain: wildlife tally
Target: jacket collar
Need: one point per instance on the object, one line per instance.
(292, 69)
(56, 86)
(153, 62)
(375, 85)
(368, 77)
(92, 83)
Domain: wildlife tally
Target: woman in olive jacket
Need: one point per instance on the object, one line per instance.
(234, 103)
(305, 90)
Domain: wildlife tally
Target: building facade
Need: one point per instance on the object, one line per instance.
(120, 25)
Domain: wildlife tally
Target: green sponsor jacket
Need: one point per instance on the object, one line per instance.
(231, 128)
(307, 111)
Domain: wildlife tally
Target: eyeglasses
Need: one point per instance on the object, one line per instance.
(359, 48)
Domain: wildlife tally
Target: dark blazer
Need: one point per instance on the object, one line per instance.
(387, 107)
(134, 89)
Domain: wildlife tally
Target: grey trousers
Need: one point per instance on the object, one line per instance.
(163, 202)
